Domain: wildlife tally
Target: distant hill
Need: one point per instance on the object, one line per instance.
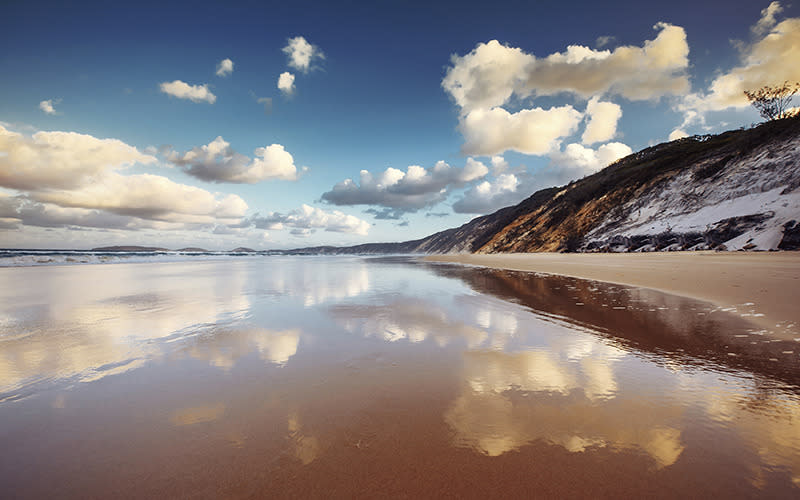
(129, 248)
(191, 249)
(736, 190)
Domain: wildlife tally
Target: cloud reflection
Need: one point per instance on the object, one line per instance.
(222, 348)
(197, 414)
(511, 400)
(60, 329)
(317, 281)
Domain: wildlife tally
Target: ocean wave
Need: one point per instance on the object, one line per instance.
(23, 258)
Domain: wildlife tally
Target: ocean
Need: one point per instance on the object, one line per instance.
(22, 257)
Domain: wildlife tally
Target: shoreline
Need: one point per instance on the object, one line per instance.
(761, 286)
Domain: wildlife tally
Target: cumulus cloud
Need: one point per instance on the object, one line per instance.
(218, 162)
(48, 106)
(407, 191)
(677, 134)
(530, 131)
(489, 75)
(489, 196)
(148, 197)
(286, 83)
(515, 184)
(499, 165)
(194, 93)
(225, 67)
(61, 160)
(306, 219)
(768, 19)
(68, 179)
(603, 118)
(493, 76)
(301, 54)
(584, 161)
(23, 210)
(768, 60)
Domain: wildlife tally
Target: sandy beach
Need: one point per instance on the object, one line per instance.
(765, 287)
(374, 377)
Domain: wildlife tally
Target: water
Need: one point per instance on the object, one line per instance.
(345, 376)
(10, 257)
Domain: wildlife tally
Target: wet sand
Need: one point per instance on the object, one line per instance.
(764, 287)
(342, 377)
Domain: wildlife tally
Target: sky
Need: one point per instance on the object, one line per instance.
(277, 125)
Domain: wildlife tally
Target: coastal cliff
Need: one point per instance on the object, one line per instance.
(739, 190)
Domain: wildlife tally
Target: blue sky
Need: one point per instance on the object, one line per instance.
(99, 144)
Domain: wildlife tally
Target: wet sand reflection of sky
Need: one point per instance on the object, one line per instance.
(352, 375)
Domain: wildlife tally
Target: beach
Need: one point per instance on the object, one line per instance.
(763, 287)
(389, 376)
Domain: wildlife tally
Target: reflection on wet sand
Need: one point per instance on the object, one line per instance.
(511, 400)
(85, 333)
(567, 377)
(673, 328)
(304, 448)
(383, 377)
(223, 347)
(53, 330)
(197, 414)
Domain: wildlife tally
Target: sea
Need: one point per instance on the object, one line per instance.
(35, 257)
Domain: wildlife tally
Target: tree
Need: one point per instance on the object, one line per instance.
(771, 102)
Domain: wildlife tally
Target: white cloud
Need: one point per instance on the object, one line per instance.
(225, 67)
(767, 21)
(677, 134)
(267, 102)
(492, 75)
(68, 179)
(530, 131)
(580, 160)
(301, 54)
(286, 83)
(23, 210)
(489, 196)
(150, 197)
(47, 106)
(489, 75)
(306, 219)
(603, 118)
(604, 40)
(62, 160)
(407, 191)
(218, 162)
(499, 165)
(194, 93)
(769, 60)
(512, 185)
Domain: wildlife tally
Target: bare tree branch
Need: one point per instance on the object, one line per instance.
(772, 102)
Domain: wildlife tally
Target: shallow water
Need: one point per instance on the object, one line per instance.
(321, 377)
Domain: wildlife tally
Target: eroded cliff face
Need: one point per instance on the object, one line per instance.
(736, 190)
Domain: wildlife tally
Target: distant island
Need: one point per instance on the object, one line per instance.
(130, 248)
